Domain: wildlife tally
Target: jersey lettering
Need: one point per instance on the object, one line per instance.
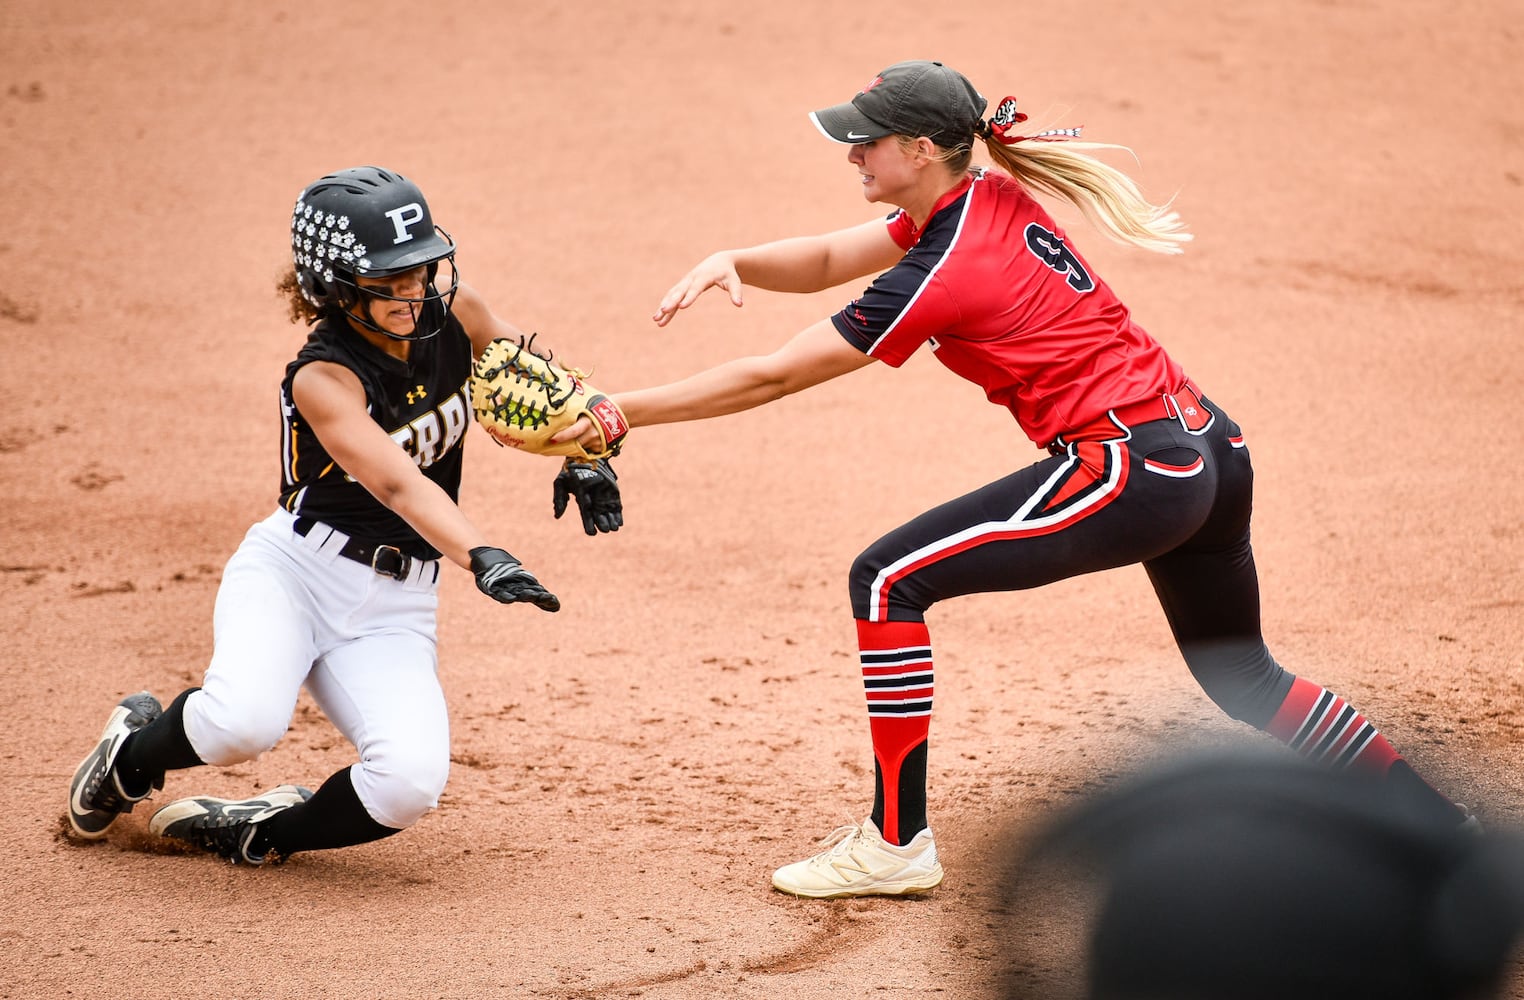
(1049, 248)
(455, 414)
(426, 437)
(430, 436)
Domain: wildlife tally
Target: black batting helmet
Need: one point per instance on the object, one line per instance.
(368, 222)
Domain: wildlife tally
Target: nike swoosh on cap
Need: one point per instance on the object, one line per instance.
(854, 135)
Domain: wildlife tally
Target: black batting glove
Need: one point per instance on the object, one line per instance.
(595, 487)
(504, 579)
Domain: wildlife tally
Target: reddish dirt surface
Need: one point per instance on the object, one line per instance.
(628, 772)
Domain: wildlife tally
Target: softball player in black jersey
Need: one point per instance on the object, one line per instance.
(335, 590)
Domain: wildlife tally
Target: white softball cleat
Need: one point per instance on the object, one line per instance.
(858, 861)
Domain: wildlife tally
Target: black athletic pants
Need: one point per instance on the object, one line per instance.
(1173, 494)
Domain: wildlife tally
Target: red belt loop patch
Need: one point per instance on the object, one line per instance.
(1186, 405)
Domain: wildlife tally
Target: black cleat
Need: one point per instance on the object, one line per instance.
(96, 796)
(225, 827)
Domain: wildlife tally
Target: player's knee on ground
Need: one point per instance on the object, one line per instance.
(399, 787)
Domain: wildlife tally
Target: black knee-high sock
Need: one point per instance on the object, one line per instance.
(333, 817)
(910, 794)
(158, 747)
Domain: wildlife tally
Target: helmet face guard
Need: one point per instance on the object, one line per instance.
(429, 311)
(367, 222)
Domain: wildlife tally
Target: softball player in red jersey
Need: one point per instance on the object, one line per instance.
(335, 590)
(1143, 467)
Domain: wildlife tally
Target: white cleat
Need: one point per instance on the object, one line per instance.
(858, 861)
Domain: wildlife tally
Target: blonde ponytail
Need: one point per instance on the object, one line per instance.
(1106, 195)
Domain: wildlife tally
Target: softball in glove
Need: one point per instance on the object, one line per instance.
(523, 399)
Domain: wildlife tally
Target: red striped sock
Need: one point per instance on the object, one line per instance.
(1320, 725)
(897, 680)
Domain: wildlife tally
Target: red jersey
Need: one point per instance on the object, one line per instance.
(1006, 303)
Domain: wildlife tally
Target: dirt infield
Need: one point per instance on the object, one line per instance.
(628, 772)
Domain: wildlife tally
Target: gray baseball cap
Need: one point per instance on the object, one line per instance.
(913, 98)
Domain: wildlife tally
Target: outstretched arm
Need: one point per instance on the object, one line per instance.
(801, 264)
(815, 355)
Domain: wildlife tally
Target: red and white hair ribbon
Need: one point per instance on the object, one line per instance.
(1006, 115)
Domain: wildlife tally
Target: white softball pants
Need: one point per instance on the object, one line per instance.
(291, 612)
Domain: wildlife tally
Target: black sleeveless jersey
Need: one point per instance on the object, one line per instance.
(423, 403)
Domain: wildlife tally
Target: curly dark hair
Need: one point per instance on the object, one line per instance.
(297, 306)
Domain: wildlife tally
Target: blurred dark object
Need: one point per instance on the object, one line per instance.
(1257, 877)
